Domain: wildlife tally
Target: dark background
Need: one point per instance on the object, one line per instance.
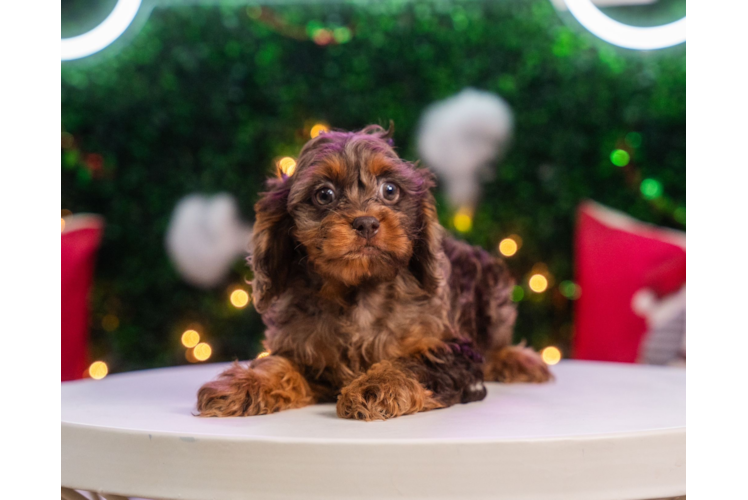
(205, 98)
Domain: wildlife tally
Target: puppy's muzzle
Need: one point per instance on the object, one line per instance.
(366, 227)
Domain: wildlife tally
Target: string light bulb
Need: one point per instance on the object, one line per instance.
(190, 338)
(551, 355)
(463, 220)
(239, 298)
(651, 188)
(202, 351)
(98, 370)
(508, 247)
(569, 289)
(620, 158)
(538, 283)
(318, 128)
(287, 165)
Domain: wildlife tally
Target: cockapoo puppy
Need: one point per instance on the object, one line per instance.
(367, 302)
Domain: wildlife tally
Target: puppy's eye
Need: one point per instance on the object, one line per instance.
(324, 196)
(389, 192)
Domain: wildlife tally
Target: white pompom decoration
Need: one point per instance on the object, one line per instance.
(460, 136)
(205, 237)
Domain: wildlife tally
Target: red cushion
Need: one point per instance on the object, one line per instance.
(80, 240)
(616, 256)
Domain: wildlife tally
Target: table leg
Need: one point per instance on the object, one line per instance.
(68, 494)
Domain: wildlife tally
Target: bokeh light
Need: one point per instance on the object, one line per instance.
(323, 36)
(287, 165)
(190, 338)
(538, 283)
(202, 351)
(342, 34)
(98, 370)
(569, 289)
(317, 129)
(679, 214)
(651, 189)
(620, 158)
(254, 11)
(508, 247)
(239, 298)
(463, 220)
(551, 355)
(110, 322)
(62, 225)
(634, 139)
(263, 354)
(518, 293)
(68, 141)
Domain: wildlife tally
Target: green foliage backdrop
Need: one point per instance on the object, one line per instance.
(205, 98)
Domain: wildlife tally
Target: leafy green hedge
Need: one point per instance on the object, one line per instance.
(205, 98)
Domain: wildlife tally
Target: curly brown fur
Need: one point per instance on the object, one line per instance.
(386, 390)
(516, 364)
(267, 385)
(389, 316)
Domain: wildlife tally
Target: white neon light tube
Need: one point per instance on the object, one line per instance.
(688, 29)
(102, 35)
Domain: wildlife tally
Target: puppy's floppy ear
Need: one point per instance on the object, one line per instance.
(428, 253)
(272, 249)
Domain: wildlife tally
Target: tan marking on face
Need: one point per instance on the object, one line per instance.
(333, 168)
(379, 164)
(336, 250)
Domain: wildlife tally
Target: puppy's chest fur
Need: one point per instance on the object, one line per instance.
(337, 341)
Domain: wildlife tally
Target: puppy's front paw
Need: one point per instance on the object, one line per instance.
(384, 392)
(516, 364)
(271, 384)
(222, 398)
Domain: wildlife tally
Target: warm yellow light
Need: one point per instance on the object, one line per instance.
(538, 283)
(190, 338)
(551, 355)
(263, 354)
(287, 165)
(318, 129)
(463, 220)
(202, 351)
(62, 225)
(508, 247)
(239, 298)
(98, 370)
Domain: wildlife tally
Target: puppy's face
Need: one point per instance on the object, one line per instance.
(352, 212)
(355, 207)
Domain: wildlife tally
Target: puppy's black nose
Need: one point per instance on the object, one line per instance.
(366, 226)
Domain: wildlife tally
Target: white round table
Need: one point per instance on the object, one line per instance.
(600, 431)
